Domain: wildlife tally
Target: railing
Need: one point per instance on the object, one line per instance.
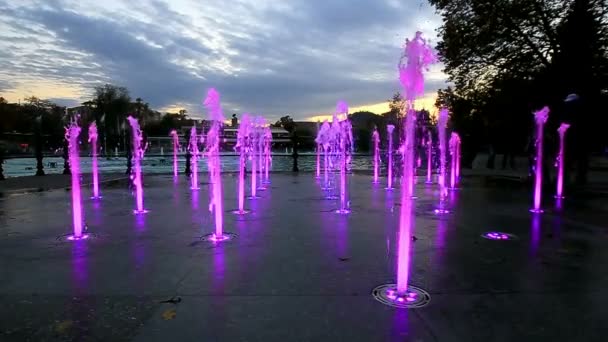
(159, 162)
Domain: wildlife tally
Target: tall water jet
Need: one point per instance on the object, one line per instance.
(71, 135)
(261, 130)
(334, 135)
(376, 141)
(252, 157)
(267, 154)
(458, 160)
(138, 155)
(454, 143)
(193, 147)
(561, 160)
(540, 117)
(442, 123)
(95, 170)
(318, 172)
(212, 149)
(243, 146)
(343, 145)
(417, 56)
(322, 141)
(390, 129)
(429, 159)
(175, 150)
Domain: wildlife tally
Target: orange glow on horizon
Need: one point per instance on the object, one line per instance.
(427, 102)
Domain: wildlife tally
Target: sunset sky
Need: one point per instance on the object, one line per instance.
(266, 57)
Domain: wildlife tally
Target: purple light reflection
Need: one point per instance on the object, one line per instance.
(400, 329)
(535, 234)
(80, 275)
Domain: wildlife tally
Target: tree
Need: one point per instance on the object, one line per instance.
(112, 103)
(507, 58)
(395, 106)
(286, 122)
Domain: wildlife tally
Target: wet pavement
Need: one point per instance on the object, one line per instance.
(299, 272)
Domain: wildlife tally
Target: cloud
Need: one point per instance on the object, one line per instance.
(297, 58)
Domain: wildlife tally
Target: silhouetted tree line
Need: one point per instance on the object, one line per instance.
(508, 58)
(109, 108)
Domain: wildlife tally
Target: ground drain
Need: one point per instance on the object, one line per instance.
(498, 236)
(414, 298)
(226, 237)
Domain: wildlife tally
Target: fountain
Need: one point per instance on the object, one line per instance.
(560, 160)
(212, 150)
(193, 147)
(417, 56)
(322, 140)
(138, 154)
(175, 150)
(243, 146)
(343, 143)
(71, 135)
(253, 158)
(376, 140)
(458, 160)
(454, 143)
(443, 190)
(267, 154)
(390, 129)
(318, 152)
(94, 168)
(332, 149)
(261, 131)
(429, 159)
(540, 117)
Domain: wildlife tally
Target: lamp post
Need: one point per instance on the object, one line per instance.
(38, 147)
(1, 162)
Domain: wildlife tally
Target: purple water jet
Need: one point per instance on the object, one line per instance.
(261, 131)
(318, 172)
(540, 117)
(193, 147)
(343, 146)
(458, 160)
(71, 135)
(94, 168)
(561, 160)
(417, 56)
(138, 155)
(454, 143)
(390, 129)
(255, 137)
(376, 140)
(175, 150)
(442, 123)
(243, 146)
(212, 149)
(267, 154)
(323, 140)
(429, 159)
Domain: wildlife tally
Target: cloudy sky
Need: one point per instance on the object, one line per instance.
(270, 57)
